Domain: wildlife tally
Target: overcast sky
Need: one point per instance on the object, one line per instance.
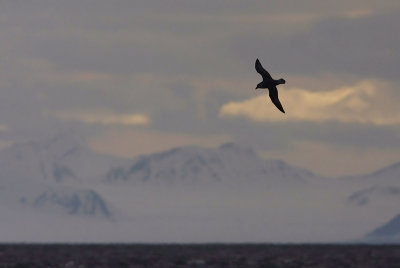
(143, 76)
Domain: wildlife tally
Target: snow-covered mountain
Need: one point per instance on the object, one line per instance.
(370, 194)
(230, 163)
(389, 176)
(53, 197)
(65, 157)
(386, 233)
(34, 175)
(64, 191)
(378, 192)
(74, 202)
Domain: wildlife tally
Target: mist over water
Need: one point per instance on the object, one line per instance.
(216, 213)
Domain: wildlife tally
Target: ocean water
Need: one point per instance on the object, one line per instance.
(198, 255)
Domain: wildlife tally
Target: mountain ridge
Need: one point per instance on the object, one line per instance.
(68, 154)
(190, 164)
(231, 188)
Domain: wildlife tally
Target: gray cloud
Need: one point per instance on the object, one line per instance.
(275, 136)
(178, 62)
(365, 46)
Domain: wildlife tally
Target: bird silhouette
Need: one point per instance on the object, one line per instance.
(270, 83)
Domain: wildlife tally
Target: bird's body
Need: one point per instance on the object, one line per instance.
(270, 83)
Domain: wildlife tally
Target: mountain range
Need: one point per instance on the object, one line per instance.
(227, 164)
(218, 190)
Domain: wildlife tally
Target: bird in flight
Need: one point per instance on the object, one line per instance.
(270, 83)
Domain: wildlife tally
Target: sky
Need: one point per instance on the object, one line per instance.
(138, 77)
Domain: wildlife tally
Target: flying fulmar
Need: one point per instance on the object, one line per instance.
(270, 83)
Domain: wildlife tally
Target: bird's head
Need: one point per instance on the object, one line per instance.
(282, 81)
(258, 85)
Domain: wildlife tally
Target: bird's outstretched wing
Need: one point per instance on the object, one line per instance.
(273, 94)
(278, 104)
(262, 71)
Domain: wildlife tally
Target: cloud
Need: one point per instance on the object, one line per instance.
(358, 13)
(102, 118)
(359, 42)
(170, 67)
(361, 103)
(3, 127)
(125, 142)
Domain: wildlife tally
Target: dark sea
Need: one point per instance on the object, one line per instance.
(198, 255)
